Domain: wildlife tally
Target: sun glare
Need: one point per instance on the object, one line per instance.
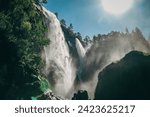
(117, 7)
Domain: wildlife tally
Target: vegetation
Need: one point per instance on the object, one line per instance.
(22, 37)
(70, 37)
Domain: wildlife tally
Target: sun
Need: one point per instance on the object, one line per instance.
(117, 7)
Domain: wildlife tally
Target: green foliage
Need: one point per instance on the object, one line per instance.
(22, 37)
(70, 36)
(56, 14)
(26, 25)
(70, 27)
(40, 1)
(63, 22)
(44, 85)
(33, 98)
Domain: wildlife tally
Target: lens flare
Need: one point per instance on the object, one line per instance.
(117, 7)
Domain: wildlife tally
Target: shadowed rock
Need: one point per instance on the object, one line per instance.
(127, 79)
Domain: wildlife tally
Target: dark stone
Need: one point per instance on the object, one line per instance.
(128, 79)
(80, 95)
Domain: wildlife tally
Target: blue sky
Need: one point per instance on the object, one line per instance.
(89, 18)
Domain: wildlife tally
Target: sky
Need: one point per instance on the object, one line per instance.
(89, 17)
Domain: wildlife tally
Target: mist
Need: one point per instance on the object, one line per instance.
(105, 50)
(66, 75)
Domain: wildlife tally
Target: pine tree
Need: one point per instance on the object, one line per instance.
(127, 31)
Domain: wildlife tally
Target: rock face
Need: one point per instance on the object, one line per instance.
(52, 96)
(112, 47)
(81, 95)
(105, 50)
(126, 79)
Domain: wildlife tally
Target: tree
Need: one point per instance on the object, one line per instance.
(63, 22)
(70, 27)
(22, 37)
(56, 14)
(139, 33)
(87, 38)
(94, 38)
(137, 30)
(40, 1)
(78, 35)
(127, 31)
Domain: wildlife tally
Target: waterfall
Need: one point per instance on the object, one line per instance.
(58, 62)
(59, 67)
(81, 53)
(80, 49)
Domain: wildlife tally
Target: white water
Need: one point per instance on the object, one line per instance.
(81, 53)
(80, 49)
(59, 68)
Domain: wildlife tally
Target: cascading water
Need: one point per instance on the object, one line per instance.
(80, 50)
(81, 53)
(59, 68)
(83, 85)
